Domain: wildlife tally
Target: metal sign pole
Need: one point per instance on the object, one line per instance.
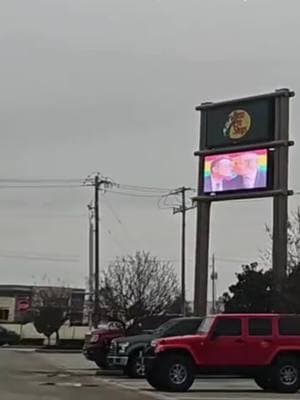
(280, 202)
(202, 235)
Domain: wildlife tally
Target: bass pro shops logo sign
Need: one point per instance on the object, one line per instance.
(237, 125)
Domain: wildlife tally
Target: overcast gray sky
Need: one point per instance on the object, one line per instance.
(110, 86)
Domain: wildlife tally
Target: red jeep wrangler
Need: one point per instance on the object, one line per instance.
(265, 347)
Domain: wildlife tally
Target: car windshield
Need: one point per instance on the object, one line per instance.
(205, 325)
(164, 327)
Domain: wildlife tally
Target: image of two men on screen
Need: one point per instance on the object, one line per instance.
(235, 171)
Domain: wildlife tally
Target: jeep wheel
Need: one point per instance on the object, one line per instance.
(177, 373)
(286, 375)
(265, 382)
(135, 367)
(154, 380)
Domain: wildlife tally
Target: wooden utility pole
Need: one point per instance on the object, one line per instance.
(182, 209)
(91, 265)
(96, 313)
(183, 253)
(202, 258)
(94, 246)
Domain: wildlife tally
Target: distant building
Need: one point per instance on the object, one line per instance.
(16, 302)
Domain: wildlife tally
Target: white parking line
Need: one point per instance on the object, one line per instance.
(156, 395)
(240, 397)
(203, 389)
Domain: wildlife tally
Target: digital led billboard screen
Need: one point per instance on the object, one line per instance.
(246, 170)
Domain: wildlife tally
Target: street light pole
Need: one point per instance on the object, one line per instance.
(214, 277)
(183, 253)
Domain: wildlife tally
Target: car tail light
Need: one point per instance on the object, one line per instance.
(94, 338)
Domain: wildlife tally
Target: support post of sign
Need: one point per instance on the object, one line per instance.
(280, 202)
(202, 234)
(279, 252)
(202, 258)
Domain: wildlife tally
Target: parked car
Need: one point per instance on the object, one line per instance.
(265, 347)
(126, 352)
(8, 337)
(97, 343)
(148, 324)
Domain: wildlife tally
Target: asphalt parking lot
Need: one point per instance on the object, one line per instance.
(203, 388)
(75, 369)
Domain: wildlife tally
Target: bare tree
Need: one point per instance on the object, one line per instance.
(137, 286)
(293, 242)
(50, 309)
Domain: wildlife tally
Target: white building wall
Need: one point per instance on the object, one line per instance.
(28, 331)
(8, 303)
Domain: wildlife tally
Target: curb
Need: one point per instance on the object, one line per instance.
(62, 351)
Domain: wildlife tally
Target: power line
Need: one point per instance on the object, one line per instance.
(233, 260)
(156, 196)
(9, 214)
(113, 212)
(40, 186)
(79, 180)
(118, 219)
(39, 180)
(39, 258)
(173, 199)
(229, 259)
(144, 188)
(116, 242)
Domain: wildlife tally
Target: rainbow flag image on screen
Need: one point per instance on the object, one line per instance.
(246, 170)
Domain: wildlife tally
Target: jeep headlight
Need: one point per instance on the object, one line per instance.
(122, 347)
